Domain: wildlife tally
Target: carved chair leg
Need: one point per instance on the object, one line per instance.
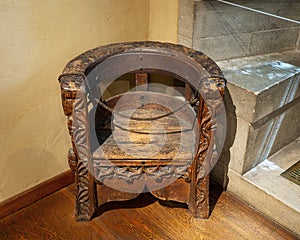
(199, 198)
(202, 198)
(72, 159)
(92, 196)
(84, 205)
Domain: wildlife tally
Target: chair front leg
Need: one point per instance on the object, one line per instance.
(202, 197)
(85, 193)
(75, 108)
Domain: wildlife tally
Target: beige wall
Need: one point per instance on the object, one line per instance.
(37, 39)
(163, 16)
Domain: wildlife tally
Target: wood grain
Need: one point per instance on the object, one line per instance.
(144, 217)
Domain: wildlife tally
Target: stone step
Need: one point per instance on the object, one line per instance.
(263, 98)
(223, 31)
(263, 129)
(263, 105)
(267, 191)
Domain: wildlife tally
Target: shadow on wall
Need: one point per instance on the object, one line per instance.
(220, 171)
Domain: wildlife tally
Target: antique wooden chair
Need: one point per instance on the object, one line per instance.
(141, 140)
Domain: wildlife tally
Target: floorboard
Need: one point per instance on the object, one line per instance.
(141, 218)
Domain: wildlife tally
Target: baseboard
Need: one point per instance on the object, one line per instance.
(36, 193)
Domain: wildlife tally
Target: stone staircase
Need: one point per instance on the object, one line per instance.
(259, 55)
(265, 108)
(265, 185)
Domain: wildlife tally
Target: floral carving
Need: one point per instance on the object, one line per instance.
(130, 173)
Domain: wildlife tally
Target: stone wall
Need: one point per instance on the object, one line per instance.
(262, 101)
(224, 31)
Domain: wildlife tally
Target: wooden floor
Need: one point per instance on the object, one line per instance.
(141, 218)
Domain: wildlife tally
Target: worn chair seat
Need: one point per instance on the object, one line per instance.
(141, 136)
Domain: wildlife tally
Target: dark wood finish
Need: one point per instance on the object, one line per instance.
(36, 193)
(141, 218)
(198, 72)
(141, 80)
(188, 92)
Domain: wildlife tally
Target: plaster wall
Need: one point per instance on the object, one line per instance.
(163, 17)
(37, 39)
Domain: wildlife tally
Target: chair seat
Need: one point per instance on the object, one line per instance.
(161, 140)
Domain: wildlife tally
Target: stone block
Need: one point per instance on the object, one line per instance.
(265, 104)
(251, 146)
(210, 25)
(186, 10)
(224, 31)
(274, 40)
(185, 22)
(185, 29)
(290, 57)
(245, 21)
(260, 85)
(288, 155)
(288, 129)
(204, 7)
(263, 201)
(287, 9)
(238, 151)
(232, 19)
(244, 101)
(185, 41)
(224, 46)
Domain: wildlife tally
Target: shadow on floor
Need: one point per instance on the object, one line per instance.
(145, 199)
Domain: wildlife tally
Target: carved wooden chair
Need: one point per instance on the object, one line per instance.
(117, 151)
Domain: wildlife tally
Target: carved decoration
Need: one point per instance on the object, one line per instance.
(206, 156)
(74, 104)
(72, 160)
(130, 173)
(73, 93)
